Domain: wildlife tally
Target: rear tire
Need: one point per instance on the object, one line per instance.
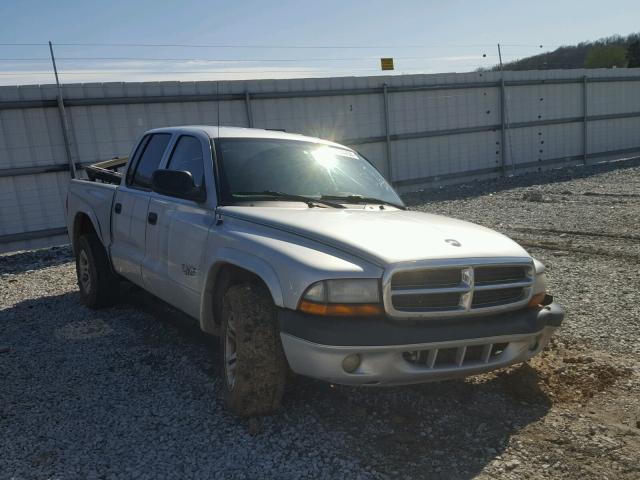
(98, 284)
(253, 363)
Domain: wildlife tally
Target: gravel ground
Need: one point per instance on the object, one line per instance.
(133, 391)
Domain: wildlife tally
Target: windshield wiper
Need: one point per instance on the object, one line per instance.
(310, 201)
(361, 199)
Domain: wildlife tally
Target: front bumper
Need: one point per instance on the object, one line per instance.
(429, 350)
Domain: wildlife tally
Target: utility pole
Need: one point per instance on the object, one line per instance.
(500, 57)
(63, 116)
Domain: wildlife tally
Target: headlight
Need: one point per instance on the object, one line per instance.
(358, 296)
(539, 284)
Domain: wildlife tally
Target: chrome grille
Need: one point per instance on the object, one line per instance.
(495, 275)
(432, 301)
(488, 298)
(457, 289)
(445, 277)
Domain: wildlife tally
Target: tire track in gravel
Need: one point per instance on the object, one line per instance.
(542, 230)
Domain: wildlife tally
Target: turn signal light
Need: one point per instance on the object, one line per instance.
(340, 309)
(536, 300)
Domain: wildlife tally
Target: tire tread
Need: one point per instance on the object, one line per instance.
(105, 284)
(262, 368)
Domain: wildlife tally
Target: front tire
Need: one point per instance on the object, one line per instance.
(254, 366)
(98, 285)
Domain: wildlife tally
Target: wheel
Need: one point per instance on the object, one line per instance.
(253, 362)
(98, 285)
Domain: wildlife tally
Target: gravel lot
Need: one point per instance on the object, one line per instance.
(133, 391)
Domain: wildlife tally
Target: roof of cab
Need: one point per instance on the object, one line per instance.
(240, 132)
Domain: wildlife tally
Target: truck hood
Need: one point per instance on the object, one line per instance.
(384, 236)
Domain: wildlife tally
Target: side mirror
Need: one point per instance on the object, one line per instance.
(177, 183)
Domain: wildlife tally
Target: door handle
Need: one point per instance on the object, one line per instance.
(152, 218)
(118, 208)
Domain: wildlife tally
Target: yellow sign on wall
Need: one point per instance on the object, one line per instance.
(386, 63)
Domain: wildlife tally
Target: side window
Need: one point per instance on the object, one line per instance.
(150, 159)
(187, 156)
(136, 156)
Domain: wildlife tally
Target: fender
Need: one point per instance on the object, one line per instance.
(92, 218)
(241, 259)
(98, 197)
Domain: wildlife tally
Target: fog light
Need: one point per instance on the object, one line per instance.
(351, 363)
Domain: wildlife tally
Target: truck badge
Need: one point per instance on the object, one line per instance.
(189, 270)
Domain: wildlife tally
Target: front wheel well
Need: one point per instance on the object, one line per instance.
(224, 276)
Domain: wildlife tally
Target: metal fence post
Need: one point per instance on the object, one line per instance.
(503, 127)
(387, 134)
(247, 104)
(585, 111)
(63, 117)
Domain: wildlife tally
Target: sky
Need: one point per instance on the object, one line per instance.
(152, 40)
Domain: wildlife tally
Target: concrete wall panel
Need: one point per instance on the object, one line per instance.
(425, 149)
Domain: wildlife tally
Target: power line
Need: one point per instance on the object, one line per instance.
(447, 64)
(23, 44)
(33, 59)
(400, 70)
(154, 72)
(179, 45)
(221, 71)
(227, 60)
(152, 45)
(184, 45)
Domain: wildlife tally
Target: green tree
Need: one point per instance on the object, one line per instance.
(606, 56)
(633, 54)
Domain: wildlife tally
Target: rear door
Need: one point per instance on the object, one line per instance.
(175, 244)
(129, 218)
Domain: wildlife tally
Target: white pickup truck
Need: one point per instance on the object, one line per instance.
(299, 255)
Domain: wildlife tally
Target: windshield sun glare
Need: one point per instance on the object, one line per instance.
(251, 166)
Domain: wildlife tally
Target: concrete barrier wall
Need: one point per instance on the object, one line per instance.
(419, 130)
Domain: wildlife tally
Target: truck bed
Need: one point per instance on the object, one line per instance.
(107, 171)
(95, 199)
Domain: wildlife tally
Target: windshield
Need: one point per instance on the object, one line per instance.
(262, 167)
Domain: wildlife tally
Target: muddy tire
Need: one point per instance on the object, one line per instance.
(253, 363)
(98, 284)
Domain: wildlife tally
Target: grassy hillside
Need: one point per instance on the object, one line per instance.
(615, 51)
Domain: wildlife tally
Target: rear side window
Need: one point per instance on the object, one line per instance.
(150, 159)
(136, 156)
(187, 156)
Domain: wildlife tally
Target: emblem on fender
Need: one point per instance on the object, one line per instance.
(453, 242)
(189, 270)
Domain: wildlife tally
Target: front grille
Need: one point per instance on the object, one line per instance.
(493, 275)
(488, 298)
(431, 301)
(445, 290)
(456, 357)
(445, 277)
